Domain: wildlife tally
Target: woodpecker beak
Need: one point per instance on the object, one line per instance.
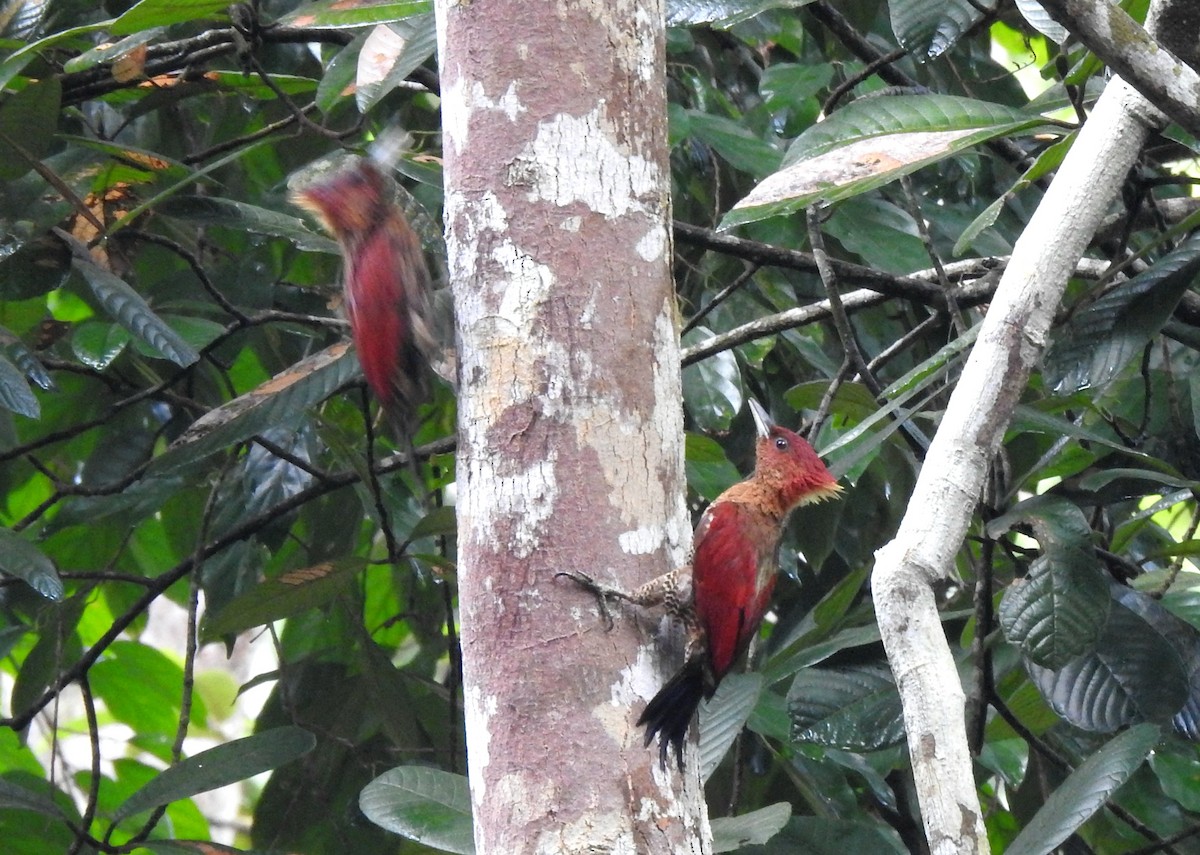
(762, 421)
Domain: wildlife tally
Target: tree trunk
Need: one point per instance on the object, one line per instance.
(570, 421)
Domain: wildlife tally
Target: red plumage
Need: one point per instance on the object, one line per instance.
(734, 564)
(386, 283)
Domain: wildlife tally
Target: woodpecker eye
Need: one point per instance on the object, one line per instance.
(781, 443)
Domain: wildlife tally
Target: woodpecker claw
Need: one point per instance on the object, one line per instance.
(603, 593)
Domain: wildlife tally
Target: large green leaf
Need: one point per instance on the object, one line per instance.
(712, 388)
(131, 311)
(1085, 791)
(1059, 610)
(871, 142)
(411, 43)
(339, 14)
(1101, 338)
(734, 142)
(141, 687)
(225, 764)
(856, 708)
(818, 835)
(281, 400)
(282, 597)
(932, 26)
(724, 716)
(427, 805)
(721, 13)
(21, 559)
(215, 211)
(1061, 607)
(15, 393)
(13, 795)
(1133, 674)
(709, 471)
(28, 120)
(162, 13)
(731, 833)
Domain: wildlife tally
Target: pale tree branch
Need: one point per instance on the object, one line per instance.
(922, 555)
(1143, 61)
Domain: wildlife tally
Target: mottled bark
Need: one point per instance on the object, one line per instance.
(570, 420)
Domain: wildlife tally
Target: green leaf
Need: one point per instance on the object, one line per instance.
(1085, 791)
(98, 343)
(283, 597)
(141, 687)
(1176, 772)
(439, 521)
(755, 828)
(162, 13)
(15, 394)
(1047, 161)
(426, 805)
(723, 717)
(109, 51)
(1037, 17)
(1059, 611)
(13, 795)
(338, 14)
(28, 120)
(214, 211)
(874, 141)
(740, 148)
(932, 26)
(37, 267)
(18, 59)
(1101, 339)
(21, 559)
(281, 400)
(883, 235)
(722, 13)
(712, 388)
(803, 654)
(856, 708)
(709, 471)
(128, 308)
(220, 766)
(419, 41)
(817, 835)
(1133, 674)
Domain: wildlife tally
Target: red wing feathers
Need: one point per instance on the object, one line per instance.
(733, 575)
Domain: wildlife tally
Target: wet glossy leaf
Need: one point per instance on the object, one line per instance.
(856, 708)
(225, 764)
(1085, 791)
(731, 833)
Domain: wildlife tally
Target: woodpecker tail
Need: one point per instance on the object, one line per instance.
(669, 713)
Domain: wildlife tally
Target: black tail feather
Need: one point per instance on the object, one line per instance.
(669, 713)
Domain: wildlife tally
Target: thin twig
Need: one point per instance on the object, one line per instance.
(744, 277)
(82, 834)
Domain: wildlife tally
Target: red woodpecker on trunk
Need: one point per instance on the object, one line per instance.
(722, 597)
(386, 283)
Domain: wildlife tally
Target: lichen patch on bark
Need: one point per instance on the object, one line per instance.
(478, 710)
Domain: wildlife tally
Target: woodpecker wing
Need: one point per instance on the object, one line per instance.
(387, 288)
(733, 572)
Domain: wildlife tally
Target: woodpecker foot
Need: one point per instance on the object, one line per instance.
(604, 593)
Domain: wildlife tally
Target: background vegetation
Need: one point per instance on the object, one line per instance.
(190, 466)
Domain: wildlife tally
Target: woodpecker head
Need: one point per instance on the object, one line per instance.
(785, 461)
(350, 202)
